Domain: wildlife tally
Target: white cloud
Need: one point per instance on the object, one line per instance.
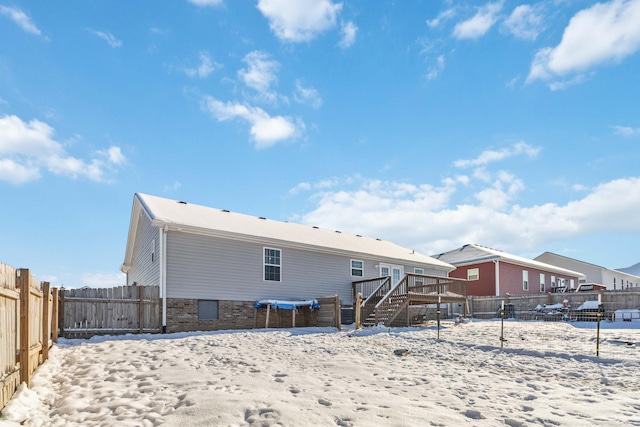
(501, 192)
(173, 187)
(103, 280)
(206, 67)
(478, 25)
(435, 70)
(605, 33)
(423, 217)
(303, 186)
(307, 95)
(443, 16)
(21, 19)
(349, 31)
(490, 156)
(115, 156)
(260, 73)
(265, 130)
(205, 3)
(28, 147)
(299, 20)
(626, 130)
(17, 173)
(525, 22)
(323, 184)
(108, 37)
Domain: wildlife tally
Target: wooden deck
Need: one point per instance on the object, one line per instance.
(383, 303)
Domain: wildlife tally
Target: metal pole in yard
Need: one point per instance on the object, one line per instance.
(438, 316)
(599, 316)
(502, 325)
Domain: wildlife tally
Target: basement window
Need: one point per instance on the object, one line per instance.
(207, 309)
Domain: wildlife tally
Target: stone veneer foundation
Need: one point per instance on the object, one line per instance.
(182, 316)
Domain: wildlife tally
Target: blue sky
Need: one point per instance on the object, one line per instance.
(429, 123)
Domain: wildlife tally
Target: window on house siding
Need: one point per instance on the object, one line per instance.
(357, 268)
(153, 250)
(553, 282)
(525, 280)
(542, 279)
(272, 264)
(418, 279)
(572, 284)
(207, 309)
(473, 274)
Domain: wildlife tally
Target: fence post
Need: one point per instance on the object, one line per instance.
(338, 319)
(359, 310)
(140, 306)
(23, 282)
(61, 312)
(46, 322)
(54, 315)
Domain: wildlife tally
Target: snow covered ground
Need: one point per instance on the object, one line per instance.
(546, 374)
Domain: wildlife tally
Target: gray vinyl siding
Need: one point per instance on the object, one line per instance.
(202, 267)
(144, 271)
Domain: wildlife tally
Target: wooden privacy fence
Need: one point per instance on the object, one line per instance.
(29, 326)
(487, 307)
(126, 309)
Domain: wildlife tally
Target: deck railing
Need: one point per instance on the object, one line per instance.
(420, 284)
(372, 290)
(388, 301)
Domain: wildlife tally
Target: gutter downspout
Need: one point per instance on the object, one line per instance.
(497, 263)
(163, 276)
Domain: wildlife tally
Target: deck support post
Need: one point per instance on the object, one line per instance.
(268, 310)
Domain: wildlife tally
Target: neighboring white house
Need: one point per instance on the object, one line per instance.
(612, 279)
(212, 265)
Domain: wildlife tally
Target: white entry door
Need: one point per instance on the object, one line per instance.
(395, 271)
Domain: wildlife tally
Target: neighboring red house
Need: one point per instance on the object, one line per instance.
(493, 272)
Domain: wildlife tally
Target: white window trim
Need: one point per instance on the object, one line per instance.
(351, 268)
(264, 264)
(525, 280)
(470, 275)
